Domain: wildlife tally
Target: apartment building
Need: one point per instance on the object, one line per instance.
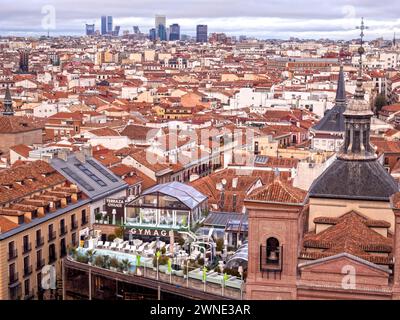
(41, 216)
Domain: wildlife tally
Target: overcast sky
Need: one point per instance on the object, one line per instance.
(258, 18)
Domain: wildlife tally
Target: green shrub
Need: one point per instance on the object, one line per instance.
(114, 263)
(106, 263)
(111, 237)
(162, 260)
(90, 254)
(126, 264)
(99, 261)
(82, 258)
(163, 250)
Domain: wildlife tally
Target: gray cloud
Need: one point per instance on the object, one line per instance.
(271, 18)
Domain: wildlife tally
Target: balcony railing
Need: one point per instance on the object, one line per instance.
(12, 254)
(27, 270)
(84, 220)
(52, 235)
(40, 264)
(26, 247)
(13, 278)
(74, 225)
(39, 242)
(63, 230)
(30, 295)
(52, 258)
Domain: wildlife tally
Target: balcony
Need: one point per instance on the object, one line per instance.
(63, 230)
(13, 278)
(74, 225)
(267, 263)
(40, 264)
(30, 295)
(63, 253)
(27, 270)
(27, 247)
(39, 242)
(52, 258)
(52, 235)
(12, 254)
(84, 220)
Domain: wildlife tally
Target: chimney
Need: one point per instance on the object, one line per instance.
(80, 155)
(235, 182)
(63, 154)
(87, 150)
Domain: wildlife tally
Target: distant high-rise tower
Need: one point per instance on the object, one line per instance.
(90, 29)
(116, 31)
(174, 32)
(24, 61)
(136, 30)
(7, 104)
(161, 27)
(161, 32)
(201, 33)
(153, 34)
(109, 24)
(103, 25)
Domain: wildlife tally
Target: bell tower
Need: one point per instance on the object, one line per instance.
(7, 104)
(357, 118)
(276, 218)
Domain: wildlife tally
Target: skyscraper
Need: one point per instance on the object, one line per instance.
(162, 32)
(160, 19)
(109, 24)
(201, 33)
(161, 27)
(153, 34)
(103, 25)
(90, 29)
(24, 61)
(136, 29)
(116, 31)
(174, 32)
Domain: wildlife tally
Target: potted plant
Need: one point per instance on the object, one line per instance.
(97, 217)
(106, 262)
(82, 258)
(114, 264)
(99, 261)
(90, 253)
(126, 265)
(73, 252)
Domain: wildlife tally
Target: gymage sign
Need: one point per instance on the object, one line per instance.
(151, 232)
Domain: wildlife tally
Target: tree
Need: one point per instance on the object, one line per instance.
(380, 102)
(119, 232)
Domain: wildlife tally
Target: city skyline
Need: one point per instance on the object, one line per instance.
(261, 20)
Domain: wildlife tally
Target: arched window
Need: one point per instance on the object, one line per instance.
(273, 251)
